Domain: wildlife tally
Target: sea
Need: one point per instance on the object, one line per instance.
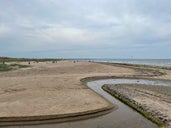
(153, 62)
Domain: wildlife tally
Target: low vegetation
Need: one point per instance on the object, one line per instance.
(7, 59)
(9, 67)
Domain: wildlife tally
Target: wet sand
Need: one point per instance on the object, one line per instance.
(151, 100)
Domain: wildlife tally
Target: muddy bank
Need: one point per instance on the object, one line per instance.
(50, 119)
(154, 102)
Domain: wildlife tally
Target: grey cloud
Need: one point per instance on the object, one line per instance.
(117, 24)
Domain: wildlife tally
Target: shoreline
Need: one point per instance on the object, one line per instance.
(49, 119)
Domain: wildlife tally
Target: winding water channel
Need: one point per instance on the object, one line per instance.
(123, 117)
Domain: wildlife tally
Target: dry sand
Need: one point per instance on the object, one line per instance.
(53, 88)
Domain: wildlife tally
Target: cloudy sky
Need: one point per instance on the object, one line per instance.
(85, 28)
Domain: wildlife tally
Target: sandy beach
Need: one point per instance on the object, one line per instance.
(53, 88)
(48, 88)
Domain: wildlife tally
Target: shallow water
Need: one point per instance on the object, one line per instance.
(123, 117)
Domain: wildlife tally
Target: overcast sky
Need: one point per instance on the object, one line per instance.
(85, 28)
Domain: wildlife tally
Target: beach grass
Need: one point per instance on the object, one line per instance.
(9, 67)
(5, 67)
(6, 59)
